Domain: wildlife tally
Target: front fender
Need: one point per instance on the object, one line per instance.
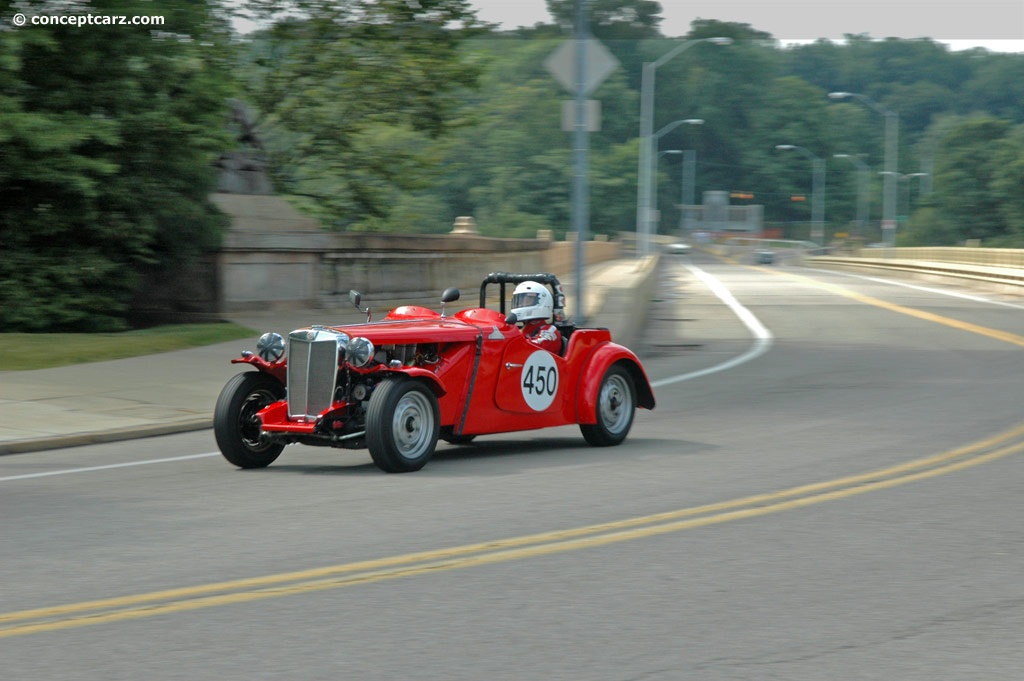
(278, 370)
(603, 358)
(435, 383)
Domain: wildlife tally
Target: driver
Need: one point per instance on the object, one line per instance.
(532, 304)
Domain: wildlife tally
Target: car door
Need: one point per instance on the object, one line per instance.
(530, 380)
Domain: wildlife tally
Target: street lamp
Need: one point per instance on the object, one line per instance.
(689, 169)
(660, 154)
(645, 170)
(817, 191)
(862, 189)
(891, 163)
(906, 178)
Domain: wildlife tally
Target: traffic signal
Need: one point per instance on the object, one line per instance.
(798, 197)
(741, 195)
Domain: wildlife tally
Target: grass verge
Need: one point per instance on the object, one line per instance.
(27, 351)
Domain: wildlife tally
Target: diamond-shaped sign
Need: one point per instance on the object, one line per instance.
(598, 65)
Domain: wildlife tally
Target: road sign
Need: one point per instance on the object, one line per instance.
(591, 115)
(597, 60)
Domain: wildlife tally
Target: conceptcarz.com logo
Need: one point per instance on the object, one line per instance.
(79, 20)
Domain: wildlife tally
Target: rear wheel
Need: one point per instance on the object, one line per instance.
(235, 424)
(402, 425)
(616, 405)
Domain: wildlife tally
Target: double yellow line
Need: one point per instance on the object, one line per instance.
(185, 599)
(1005, 336)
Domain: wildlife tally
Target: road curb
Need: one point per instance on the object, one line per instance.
(104, 436)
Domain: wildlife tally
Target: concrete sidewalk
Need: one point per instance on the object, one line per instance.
(176, 391)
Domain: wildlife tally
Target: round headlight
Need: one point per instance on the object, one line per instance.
(359, 351)
(270, 347)
(342, 339)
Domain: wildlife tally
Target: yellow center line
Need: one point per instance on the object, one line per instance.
(1004, 336)
(517, 548)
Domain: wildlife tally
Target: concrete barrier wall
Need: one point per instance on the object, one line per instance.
(317, 269)
(620, 296)
(274, 257)
(990, 257)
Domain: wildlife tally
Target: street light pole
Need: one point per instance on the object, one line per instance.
(645, 169)
(689, 168)
(660, 154)
(862, 189)
(686, 193)
(817, 192)
(891, 163)
(905, 178)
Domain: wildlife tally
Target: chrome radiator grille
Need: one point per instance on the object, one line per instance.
(312, 372)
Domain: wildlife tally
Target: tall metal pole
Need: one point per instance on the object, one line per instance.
(863, 177)
(891, 162)
(686, 192)
(818, 201)
(581, 198)
(643, 194)
(889, 188)
(817, 192)
(645, 169)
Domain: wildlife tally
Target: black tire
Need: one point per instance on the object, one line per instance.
(235, 425)
(616, 406)
(402, 425)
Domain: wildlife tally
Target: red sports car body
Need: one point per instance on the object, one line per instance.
(397, 385)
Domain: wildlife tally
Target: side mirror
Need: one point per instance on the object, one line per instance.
(355, 298)
(449, 295)
(511, 318)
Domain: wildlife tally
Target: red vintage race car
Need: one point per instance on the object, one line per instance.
(397, 385)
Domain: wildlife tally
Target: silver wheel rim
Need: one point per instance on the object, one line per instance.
(615, 404)
(249, 425)
(412, 425)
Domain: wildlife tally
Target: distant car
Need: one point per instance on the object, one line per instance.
(678, 248)
(398, 385)
(764, 256)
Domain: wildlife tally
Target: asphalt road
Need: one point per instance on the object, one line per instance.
(829, 488)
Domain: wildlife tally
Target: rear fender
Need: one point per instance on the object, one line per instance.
(602, 359)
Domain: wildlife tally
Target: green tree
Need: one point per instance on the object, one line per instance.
(339, 83)
(612, 19)
(108, 136)
(966, 171)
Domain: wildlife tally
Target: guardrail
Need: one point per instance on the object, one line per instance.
(1002, 268)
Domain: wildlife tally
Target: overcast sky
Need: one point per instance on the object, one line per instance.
(996, 24)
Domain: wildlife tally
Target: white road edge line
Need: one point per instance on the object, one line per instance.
(762, 336)
(926, 289)
(90, 469)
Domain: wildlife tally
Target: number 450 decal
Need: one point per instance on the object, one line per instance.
(539, 380)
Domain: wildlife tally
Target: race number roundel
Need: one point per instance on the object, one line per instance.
(539, 380)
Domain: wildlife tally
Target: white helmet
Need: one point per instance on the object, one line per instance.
(531, 300)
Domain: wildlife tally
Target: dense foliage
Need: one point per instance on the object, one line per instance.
(510, 164)
(399, 115)
(108, 136)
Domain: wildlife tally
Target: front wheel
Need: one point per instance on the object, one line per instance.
(402, 425)
(616, 405)
(235, 424)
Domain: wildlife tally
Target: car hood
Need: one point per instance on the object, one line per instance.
(403, 332)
